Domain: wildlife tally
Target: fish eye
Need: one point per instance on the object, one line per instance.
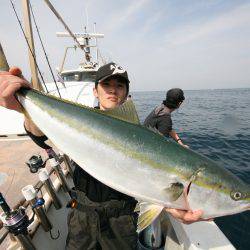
(236, 195)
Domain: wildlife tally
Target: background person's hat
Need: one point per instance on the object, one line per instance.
(111, 69)
(174, 97)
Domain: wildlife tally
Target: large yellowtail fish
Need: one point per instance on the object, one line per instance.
(115, 149)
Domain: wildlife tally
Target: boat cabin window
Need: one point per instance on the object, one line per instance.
(79, 76)
(88, 76)
(68, 77)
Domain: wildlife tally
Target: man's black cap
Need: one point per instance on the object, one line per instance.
(111, 69)
(174, 97)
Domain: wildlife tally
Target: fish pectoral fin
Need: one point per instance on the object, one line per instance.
(137, 208)
(148, 213)
(174, 191)
(126, 112)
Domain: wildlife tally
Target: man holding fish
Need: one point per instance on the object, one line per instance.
(105, 218)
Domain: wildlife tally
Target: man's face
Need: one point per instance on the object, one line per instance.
(110, 93)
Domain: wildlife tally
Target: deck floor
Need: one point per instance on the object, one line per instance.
(14, 173)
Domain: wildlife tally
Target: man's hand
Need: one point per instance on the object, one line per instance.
(182, 144)
(186, 217)
(10, 82)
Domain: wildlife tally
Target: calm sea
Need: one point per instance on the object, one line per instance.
(215, 123)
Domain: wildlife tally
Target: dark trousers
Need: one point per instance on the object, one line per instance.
(101, 225)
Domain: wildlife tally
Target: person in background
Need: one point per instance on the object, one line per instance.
(160, 117)
(105, 218)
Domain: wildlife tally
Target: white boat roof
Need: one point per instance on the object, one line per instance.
(77, 91)
(11, 122)
(80, 69)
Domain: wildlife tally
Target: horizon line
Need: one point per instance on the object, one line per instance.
(191, 89)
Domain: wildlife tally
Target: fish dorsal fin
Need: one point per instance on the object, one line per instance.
(125, 112)
(148, 213)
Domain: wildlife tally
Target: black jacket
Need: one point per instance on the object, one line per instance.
(160, 118)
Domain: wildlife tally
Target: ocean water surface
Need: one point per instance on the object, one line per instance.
(215, 123)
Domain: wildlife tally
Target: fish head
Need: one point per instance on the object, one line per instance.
(240, 196)
(217, 192)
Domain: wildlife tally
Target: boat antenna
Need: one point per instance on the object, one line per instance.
(44, 51)
(98, 53)
(64, 24)
(87, 17)
(97, 57)
(87, 49)
(20, 24)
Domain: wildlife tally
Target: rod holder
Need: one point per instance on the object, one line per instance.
(45, 179)
(30, 195)
(25, 241)
(68, 164)
(59, 173)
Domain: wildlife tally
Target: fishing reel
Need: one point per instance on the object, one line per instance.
(16, 222)
(35, 162)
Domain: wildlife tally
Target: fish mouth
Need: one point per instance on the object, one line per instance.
(185, 193)
(188, 188)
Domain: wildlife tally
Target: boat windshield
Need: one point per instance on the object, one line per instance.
(79, 76)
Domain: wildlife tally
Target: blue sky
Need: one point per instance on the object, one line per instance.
(163, 44)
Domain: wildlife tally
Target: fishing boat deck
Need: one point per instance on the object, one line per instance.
(14, 173)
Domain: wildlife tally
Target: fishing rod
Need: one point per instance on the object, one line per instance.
(44, 51)
(64, 24)
(27, 42)
(4, 66)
